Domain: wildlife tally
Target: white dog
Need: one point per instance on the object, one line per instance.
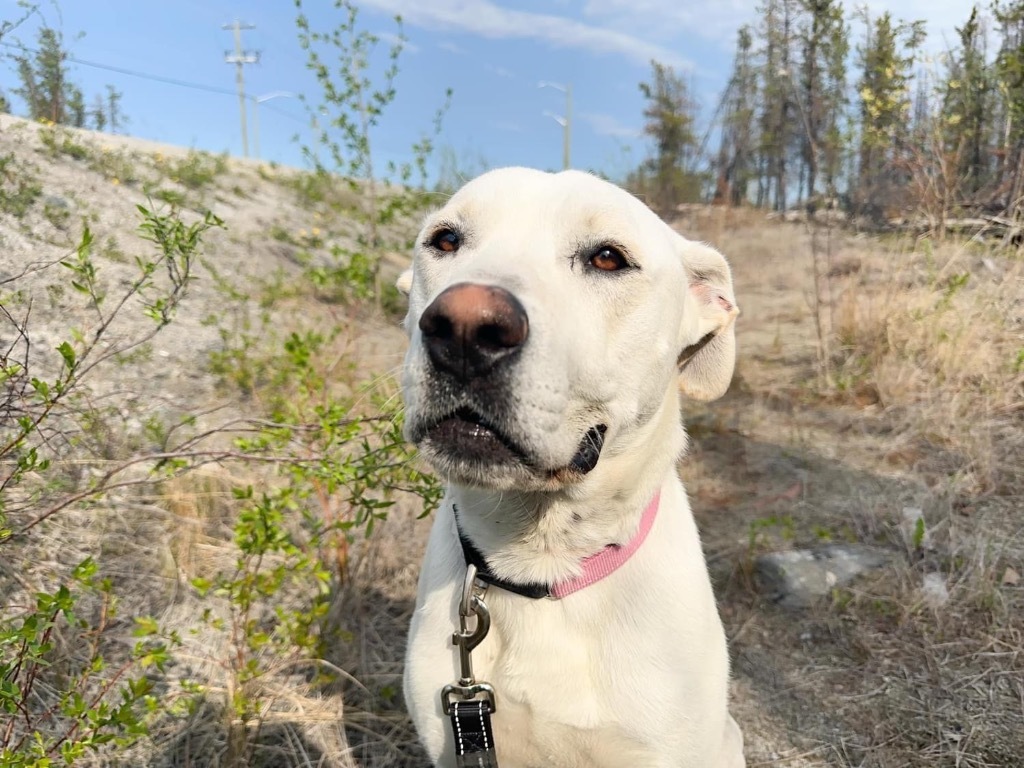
(553, 321)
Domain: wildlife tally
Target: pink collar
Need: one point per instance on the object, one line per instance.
(609, 559)
(593, 568)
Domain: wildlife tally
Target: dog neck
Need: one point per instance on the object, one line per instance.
(544, 537)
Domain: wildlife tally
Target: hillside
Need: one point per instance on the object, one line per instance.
(213, 473)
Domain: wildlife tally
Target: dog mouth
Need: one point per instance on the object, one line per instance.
(470, 438)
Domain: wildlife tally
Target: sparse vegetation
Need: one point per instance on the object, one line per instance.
(923, 414)
(76, 704)
(19, 190)
(354, 105)
(57, 141)
(197, 170)
(115, 165)
(201, 440)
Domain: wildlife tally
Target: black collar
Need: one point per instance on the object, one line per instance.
(534, 590)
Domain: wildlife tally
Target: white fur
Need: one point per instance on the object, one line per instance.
(633, 670)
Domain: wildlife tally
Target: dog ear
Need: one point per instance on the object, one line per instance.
(708, 339)
(404, 282)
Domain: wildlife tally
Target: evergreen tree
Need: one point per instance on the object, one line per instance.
(671, 116)
(824, 48)
(75, 113)
(99, 113)
(45, 88)
(886, 59)
(968, 106)
(737, 151)
(1010, 84)
(778, 131)
(115, 117)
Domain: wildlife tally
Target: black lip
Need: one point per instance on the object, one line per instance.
(469, 436)
(589, 451)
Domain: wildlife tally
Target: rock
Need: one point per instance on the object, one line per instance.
(56, 201)
(934, 591)
(799, 577)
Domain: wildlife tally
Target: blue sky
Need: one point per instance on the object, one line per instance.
(492, 53)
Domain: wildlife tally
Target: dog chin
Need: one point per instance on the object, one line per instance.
(496, 476)
(465, 451)
(464, 448)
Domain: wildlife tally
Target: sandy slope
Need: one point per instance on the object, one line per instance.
(808, 685)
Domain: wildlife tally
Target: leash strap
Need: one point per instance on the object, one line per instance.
(474, 739)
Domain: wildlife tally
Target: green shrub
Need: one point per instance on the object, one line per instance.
(18, 190)
(198, 169)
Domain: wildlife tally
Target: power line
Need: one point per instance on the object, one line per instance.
(157, 79)
(133, 73)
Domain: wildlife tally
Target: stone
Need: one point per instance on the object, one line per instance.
(934, 590)
(799, 577)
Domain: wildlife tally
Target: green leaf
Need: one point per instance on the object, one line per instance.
(919, 531)
(68, 353)
(145, 626)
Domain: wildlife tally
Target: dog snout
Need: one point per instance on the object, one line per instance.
(469, 329)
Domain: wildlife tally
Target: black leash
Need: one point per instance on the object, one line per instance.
(474, 740)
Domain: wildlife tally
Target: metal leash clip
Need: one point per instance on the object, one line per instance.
(466, 639)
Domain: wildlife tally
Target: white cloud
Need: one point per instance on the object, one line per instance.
(444, 45)
(488, 19)
(392, 40)
(639, 30)
(500, 72)
(667, 19)
(608, 125)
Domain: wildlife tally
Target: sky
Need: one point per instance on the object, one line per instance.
(493, 54)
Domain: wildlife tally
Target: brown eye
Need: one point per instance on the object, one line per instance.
(608, 259)
(446, 240)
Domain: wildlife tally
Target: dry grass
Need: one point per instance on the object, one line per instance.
(939, 340)
(924, 412)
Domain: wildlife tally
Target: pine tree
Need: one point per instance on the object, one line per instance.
(968, 105)
(737, 151)
(45, 88)
(886, 59)
(671, 115)
(99, 113)
(779, 119)
(1010, 85)
(115, 117)
(824, 48)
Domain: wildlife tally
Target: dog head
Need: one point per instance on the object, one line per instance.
(550, 316)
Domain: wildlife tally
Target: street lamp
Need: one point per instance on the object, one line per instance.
(563, 120)
(257, 100)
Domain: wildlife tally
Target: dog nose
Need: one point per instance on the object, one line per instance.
(469, 328)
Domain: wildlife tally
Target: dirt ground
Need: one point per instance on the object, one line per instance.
(878, 675)
(874, 676)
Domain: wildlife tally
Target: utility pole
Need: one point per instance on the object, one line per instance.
(567, 132)
(240, 58)
(563, 120)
